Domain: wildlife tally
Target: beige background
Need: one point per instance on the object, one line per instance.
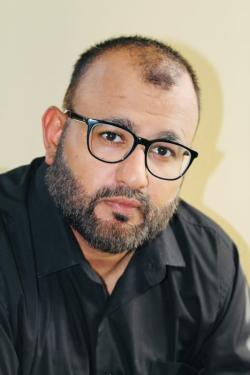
(40, 41)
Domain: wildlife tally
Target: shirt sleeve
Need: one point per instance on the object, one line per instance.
(227, 350)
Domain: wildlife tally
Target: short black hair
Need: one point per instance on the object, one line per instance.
(158, 63)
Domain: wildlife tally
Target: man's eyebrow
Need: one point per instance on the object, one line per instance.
(123, 122)
(167, 135)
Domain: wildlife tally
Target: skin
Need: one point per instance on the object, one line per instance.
(111, 89)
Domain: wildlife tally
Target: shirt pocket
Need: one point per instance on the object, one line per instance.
(172, 368)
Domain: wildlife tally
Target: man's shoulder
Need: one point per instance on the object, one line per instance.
(14, 184)
(17, 261)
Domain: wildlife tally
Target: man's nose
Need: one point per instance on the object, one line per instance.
(132, 171)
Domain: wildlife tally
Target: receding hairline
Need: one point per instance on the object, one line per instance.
(156, 63)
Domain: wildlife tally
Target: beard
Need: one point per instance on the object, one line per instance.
(78, 208)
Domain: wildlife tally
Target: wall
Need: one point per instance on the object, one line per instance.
(41, 40)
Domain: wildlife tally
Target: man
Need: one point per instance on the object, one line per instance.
(103, 269)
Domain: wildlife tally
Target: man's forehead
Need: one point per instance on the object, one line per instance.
(107, 72)
(116, 72)
(108, 90)
(145, 59)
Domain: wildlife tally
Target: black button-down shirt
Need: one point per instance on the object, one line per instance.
(181, 306)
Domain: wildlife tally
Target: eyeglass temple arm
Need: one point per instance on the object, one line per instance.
(75, 116)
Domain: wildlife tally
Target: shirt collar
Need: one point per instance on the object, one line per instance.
(165, 250)
(56, 247)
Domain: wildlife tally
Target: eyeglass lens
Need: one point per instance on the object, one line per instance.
(112, 144)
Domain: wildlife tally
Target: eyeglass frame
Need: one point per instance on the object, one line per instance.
(137, 141)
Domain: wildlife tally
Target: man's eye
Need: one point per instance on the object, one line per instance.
(111, 137)
(162, 151)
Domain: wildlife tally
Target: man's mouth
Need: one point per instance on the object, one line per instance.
(122, 205)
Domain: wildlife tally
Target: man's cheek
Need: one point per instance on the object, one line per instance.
(165, 194)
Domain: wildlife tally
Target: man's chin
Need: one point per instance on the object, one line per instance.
(113, 236)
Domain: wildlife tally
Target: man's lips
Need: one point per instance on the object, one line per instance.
(123, 205)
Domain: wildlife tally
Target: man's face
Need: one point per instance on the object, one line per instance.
(116, 207)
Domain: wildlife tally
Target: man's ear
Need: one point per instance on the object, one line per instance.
(53, 122)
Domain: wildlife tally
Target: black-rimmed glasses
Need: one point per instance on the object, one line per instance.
(112, 143)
